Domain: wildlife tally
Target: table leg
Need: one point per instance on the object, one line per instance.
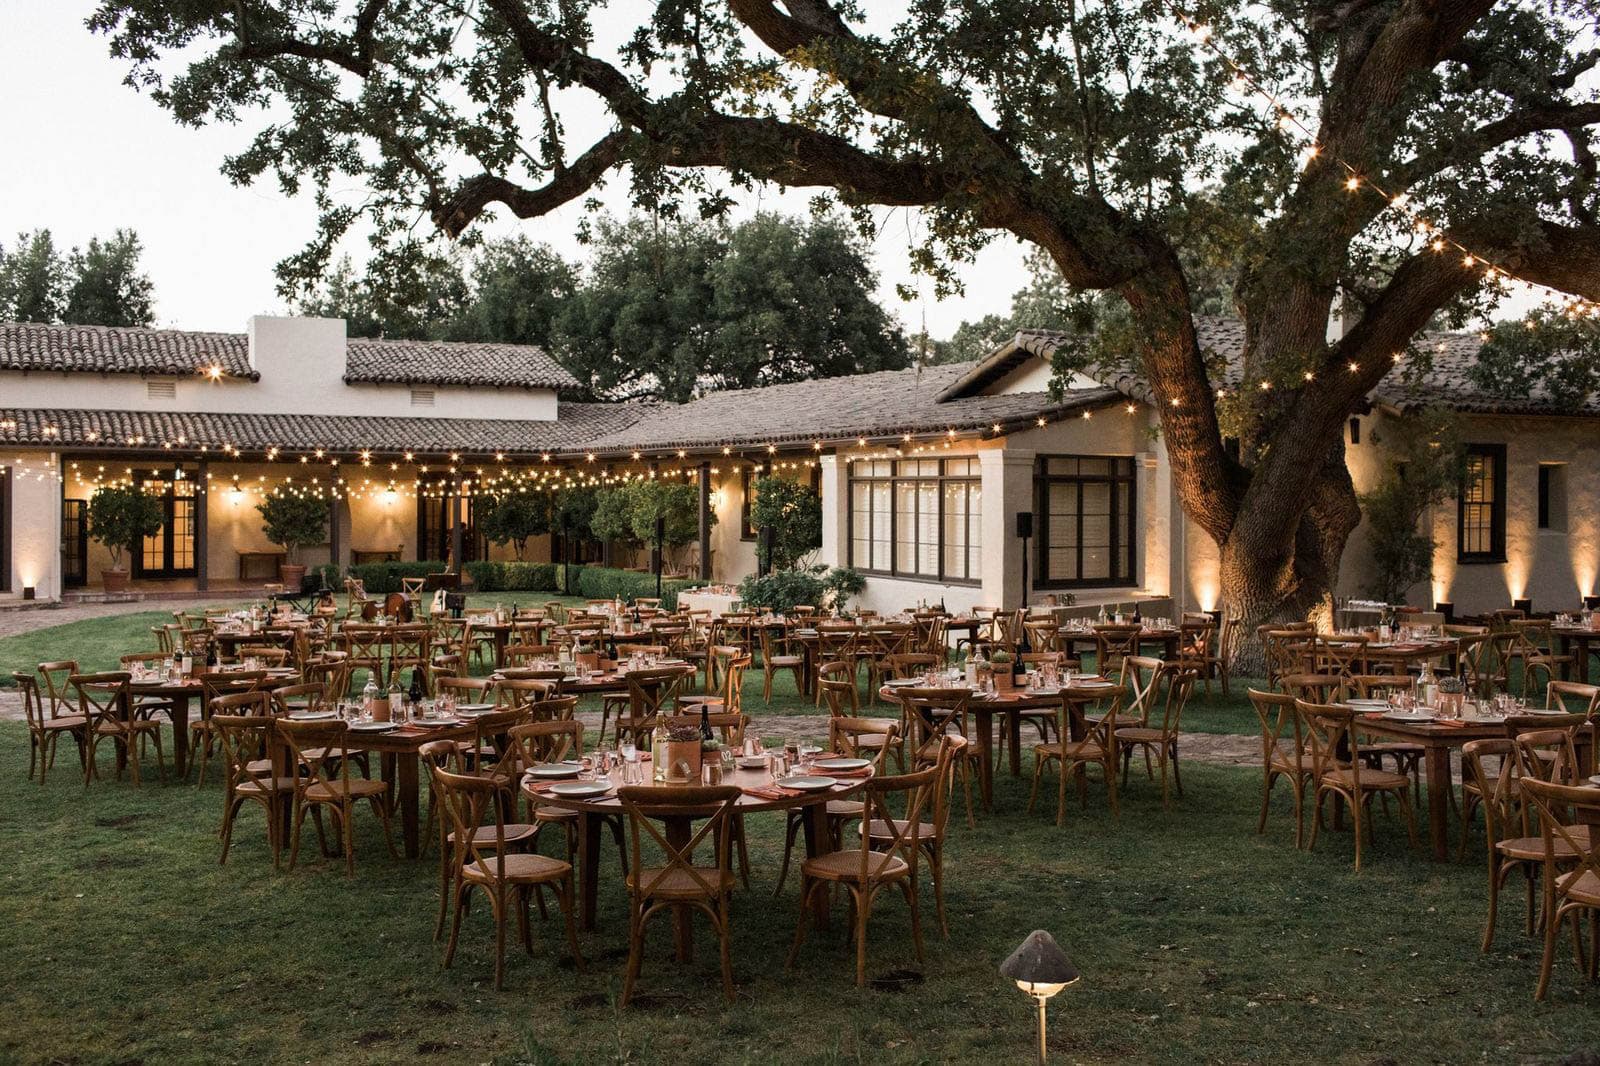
(1436, 775)
(406, 781)
(985, 716)
(679, 832)
(500, 638)
(1014, 741)
(817, 843)
(589, 826)
(1566, 652)
(180, 736)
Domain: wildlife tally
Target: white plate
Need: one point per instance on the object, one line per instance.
(439, 722)
(842, 764)
(474, 708)
(372, 727)
(1409, 716)
(1094, 684)
(579, 789)
(670, 662)
(1377, 705)
(808, 784)
(902, 682)
(1595, 780)
(314, 716)
(561, 771)
(752, 762)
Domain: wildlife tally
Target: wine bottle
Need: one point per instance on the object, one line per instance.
(416, 684)
(705, 722)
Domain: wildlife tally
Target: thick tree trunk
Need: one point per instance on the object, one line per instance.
(1268, 578)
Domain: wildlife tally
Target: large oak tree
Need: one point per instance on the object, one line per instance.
(1109, 133)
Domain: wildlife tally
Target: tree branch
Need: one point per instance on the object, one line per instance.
(473, 195)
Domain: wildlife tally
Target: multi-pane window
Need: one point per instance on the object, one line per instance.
(917, 518)
(1481, 514)
(1087, 506)
(747, 490)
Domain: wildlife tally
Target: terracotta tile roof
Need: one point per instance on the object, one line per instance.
(110, 350)
(888, 402)
(579, 423)
(453, 363)
(1449, 380)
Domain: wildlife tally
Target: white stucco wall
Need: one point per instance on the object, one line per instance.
(35, 534)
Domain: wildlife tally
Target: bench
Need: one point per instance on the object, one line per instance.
(381, 555)
(249, 567)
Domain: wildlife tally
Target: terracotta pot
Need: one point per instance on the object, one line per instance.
(683, 761)
(114, 580)
(589, 660)
(1002, 677)
(293, 575)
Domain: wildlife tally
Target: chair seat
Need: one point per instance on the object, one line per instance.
(1371, 780)
(845, 808)
(519, 869)
(786, 660)
(1286, 764)
(65, 722)
(1141, 735)
(355, 788)
(680, 884)
(516, 832)
(695, 701)
(1581, 886)
(554, 814)
(846, 866)
(1531, 849)
(262, 786)
(137, 725)
(1081, 750)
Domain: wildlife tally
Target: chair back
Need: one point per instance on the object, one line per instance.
(901, 834)
(1331, 736)
(1113, 643)
(32, 701)
(911, 663)
(1382, 686)
(466, 689)
(254, 703)
(521, 693)
(1313, 688)
(845, 735)
(1141, 675)
(409, 645)
(836, 683)
(470, 803)
(645, 804)
(1288, 650)
(1279, 722)
(648, 690)
(244, 739)
(103, 698)
(1503, 814)
(1566, 815)
(309, 697)
(57, 676)
(549, 741)
(1572, 697)
(1543, 753)
(927, 713)
(1342, 655)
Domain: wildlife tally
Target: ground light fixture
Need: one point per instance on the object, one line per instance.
(1041, 969)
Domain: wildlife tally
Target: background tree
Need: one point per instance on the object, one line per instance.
(121, 516)
(793, 511)
(100, 285)
(612, 520)
(512, 518)
(1448, 137)
(106, 286)
(1423, 457)
(292, 521)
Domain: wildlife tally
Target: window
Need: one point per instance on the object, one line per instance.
(747, 491)
(1553, 496)
(1481, 506)
(1086, 536)
(917, 518)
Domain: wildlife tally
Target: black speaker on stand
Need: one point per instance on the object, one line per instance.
(1025, 531)
(661, 536)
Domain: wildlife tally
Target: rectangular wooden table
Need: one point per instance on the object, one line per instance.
(1436, 741)
(399, 751)
(1577, 642)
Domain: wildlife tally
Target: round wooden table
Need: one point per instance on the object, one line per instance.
(594, 812)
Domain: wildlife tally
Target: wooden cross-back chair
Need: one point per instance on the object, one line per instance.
(246, 738)
(45, 728)
(481, 857)
(1112, 644)
(1337, 770)
(1284, 754)
(1533, 649)
(1169, 689)
(1079, 744)
(314, 747)
(879, 861)
(927, 715)
(932, 833)
(106, 706)
(1571, 859)
(1341, 654)
(678, 880)
(836, 643)
(215, 684)
(649, 693)
(777, 656)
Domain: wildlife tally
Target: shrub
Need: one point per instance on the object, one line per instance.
(291, 521)
(782, 590)
(605, 583)
(513, 518)
(842, 583)
(512, 576)
(379, 579)
(120, 516)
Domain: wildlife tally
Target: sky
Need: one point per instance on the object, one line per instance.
(89, 155)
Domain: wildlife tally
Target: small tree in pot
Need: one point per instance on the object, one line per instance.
(119, 517)
(292, 521)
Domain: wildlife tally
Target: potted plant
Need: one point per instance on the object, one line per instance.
(1000, 663)
(682, 753)
(290, 521)
(841, 584)
(120, 516)
(586, 657)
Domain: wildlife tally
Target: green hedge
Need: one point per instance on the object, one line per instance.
(512, 577)
(605, 583)
(380, 579)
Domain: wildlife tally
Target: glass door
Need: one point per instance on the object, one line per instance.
(74, 543)
(170, 551)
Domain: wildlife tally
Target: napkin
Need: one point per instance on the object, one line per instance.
(537, 785)
(1450, 723)
(771, 792)
(865, 771)
(1374, 715)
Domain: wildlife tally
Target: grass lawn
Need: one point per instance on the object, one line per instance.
(1198, 941)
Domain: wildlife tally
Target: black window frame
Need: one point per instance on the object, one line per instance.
(973, 477)
(1042, 481)
(747, 489)
(5, 529)
(1497, 507)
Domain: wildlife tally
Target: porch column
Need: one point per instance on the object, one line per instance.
(705, 520)
(835, 511)
(1007, 477)
(333, 529)
(202, 522)
(456, 532)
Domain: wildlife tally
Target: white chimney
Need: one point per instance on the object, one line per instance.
(303, 354)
